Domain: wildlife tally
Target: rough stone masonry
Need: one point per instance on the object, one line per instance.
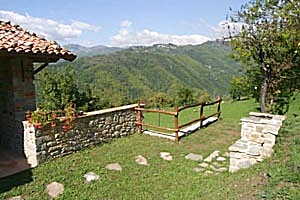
(258, 136)
(91, 129)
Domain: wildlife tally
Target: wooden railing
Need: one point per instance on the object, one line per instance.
(175, 114)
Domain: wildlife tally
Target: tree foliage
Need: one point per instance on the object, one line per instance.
(185, 96)
(239, 87)
(269, 46)
(57, 88)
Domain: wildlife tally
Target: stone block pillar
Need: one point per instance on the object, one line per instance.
(258, 136)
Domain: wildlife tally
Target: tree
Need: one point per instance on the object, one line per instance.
(268, 45)
(185, 96)
(239, 87)
(56, 88)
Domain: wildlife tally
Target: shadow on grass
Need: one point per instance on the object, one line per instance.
(21, 178)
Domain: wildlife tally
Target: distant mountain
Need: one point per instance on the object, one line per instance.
(144, 71)
(91, 51)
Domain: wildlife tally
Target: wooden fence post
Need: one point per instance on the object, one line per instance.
(201, 113)
(219, 107)
(139, 118)
(176, 123)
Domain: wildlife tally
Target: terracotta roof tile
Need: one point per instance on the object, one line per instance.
(13, 38)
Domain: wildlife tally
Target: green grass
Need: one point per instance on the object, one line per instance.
(273, 178)
(284, 167)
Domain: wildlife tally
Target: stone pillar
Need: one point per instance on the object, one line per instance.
(30, 148)
(258, 136)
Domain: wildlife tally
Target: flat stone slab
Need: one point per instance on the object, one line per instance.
(239, 146)
(54, 189)
(194, 157)
(114, 166)
(221, 169)
(212, 156)
(166, 156)
(221, 159)
(203, 165)
(208, 172)
(16, 198)
(91, 176)
(216, 164)
(199, 169)
(141, 160)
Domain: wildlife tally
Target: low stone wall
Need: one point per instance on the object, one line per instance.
(258, 136)
(93, 128)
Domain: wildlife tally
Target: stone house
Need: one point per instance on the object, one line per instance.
(19, 50)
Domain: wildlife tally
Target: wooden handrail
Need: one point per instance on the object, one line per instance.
(157, 111)
(190, 106)
(176, 113)
(212, 103)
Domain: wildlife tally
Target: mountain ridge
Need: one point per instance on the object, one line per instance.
(81, 51)
(143, 71)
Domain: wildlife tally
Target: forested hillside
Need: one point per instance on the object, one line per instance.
(162, 69)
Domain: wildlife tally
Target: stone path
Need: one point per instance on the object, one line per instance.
(114, 166)
(213, 164)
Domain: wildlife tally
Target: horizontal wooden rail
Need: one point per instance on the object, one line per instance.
(158, 127)
(212, 103)
(157, 111)
(217, 113)
(190, 106)
(189, 123)
(176, 113)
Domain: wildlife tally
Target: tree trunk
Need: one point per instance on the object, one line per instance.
(263, 92)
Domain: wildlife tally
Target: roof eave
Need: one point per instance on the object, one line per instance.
(39, 57)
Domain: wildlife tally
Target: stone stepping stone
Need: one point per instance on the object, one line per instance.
(208, 172)
(15, 198)
(91, 176)
(216, 164)
(212, 167)
(212, 156)
(141, 160)
(54, 189)
(199, 169)
(166, 156)
(222, 169)
(221, 159)
(114, 166)
(204, 165)
(194, 157)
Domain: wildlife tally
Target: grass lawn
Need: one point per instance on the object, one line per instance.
(168, 179)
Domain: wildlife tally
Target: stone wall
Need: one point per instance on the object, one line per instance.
(17, 95)
(258, 136)
(91, 129)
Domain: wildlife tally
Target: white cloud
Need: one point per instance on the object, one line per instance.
(126, 23)
(147, 37)
(48, 28)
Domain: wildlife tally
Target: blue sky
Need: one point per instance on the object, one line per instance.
(121, 22)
